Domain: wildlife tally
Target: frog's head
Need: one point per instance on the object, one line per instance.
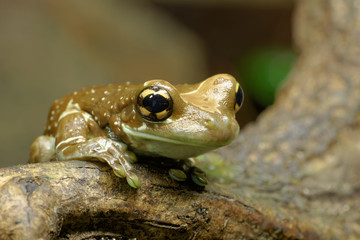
(186, 120)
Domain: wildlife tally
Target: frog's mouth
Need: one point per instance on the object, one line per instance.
(153, 137)
(167, 147)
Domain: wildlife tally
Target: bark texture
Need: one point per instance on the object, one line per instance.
(295, 170)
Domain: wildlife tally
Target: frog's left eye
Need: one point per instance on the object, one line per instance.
(239, 97)
(155, 104)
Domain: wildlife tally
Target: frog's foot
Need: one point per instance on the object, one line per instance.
(186, 168)
(106, 150)
(120, 161)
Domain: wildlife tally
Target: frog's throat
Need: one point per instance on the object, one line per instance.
(142, 135)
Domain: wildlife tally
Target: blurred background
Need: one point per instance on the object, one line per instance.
(51, 48)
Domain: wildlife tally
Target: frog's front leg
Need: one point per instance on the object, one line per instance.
(80, 138)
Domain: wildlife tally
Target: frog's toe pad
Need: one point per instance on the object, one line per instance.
(198, 176)
(131, 157)
(119, 172)
(133, 181)
(177, 175)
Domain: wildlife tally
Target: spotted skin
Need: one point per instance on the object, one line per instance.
(108, 123)
(96, 101)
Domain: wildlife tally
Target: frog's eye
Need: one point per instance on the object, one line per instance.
(155, 104)
(239, 97)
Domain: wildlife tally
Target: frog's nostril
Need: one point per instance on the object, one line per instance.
(214, 123)
(210, 123)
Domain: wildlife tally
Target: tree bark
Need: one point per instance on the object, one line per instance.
(295, 170)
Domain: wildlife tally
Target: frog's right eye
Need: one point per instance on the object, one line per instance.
(155, 104)
(239, 97)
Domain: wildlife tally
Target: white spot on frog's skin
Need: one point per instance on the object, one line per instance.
(112, 106)
(96, 118)
(103, 99)
(51, 118)
(126, 99)
(122, 102)
(92, 91)
(106, 92)
(127, 83)
(56, 124)
(49, 127)
(109, 102)
(75, 93)
(117, 123)
(92, 99)
(57, 106)
(53, 112)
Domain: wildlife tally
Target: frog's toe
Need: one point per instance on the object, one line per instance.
(177, 175)
(131, 178)
(119, 173)
(131, 157)
(133, 181)
(198, 176)
(119, 170)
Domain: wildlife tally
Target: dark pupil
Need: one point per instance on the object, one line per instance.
(239, 96)
(155, 103)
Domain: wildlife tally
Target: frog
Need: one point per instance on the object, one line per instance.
(118, 122)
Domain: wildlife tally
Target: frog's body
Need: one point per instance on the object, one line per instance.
(109, 123)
